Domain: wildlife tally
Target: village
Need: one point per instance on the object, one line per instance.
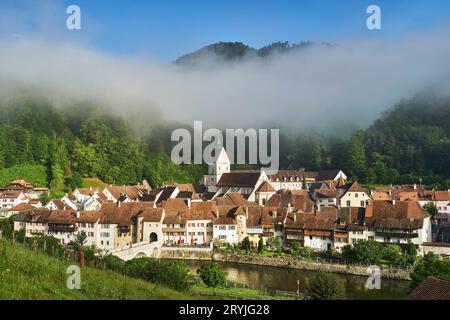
(322, 211)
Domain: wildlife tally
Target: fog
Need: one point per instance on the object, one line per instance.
(325, 88)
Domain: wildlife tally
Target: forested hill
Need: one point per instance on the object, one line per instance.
(237, 51)
(409, 143)
(58, 146)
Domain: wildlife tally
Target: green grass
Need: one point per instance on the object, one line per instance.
(27, 274)
(240, 293)
(34, 174)
(94, 183)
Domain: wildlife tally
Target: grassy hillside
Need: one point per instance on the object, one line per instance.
(26, 274)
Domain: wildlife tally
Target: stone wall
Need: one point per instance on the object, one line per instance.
(207, 254)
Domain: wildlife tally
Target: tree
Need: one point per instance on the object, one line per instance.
(261, 245)
(80, 240)
(325, 286)
(295, 247)
(393, 254)
(429, 265)
(212, 275)
(365, 251)
(430, 207)
(246, 244)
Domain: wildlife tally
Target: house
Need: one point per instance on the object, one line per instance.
(216, 169)
(174, 229)
(243, 182)
(264, 192)
(325, 197)
(292, 179)
(291, 200)
(21, 207)
(149, 225)
(118, 224)
(57, 204)
(127, 193)
(26, 187)
(199, 222)
(63, 225)
(34, 222)
(330, 176)
(352, 195)
(399, 222)
(10, 199)
(225, 224)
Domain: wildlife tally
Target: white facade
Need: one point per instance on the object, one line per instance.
(226, 233)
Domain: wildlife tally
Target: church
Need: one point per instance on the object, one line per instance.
(221, 180)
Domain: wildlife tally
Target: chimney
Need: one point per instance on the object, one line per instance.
(415, 186)
(217, 214)
(118, 203)
(78, 215)
(318, 206)
(289, 207)
(295, 217)
(246, 213)
(393, 202)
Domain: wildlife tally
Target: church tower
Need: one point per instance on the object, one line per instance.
(220, 166)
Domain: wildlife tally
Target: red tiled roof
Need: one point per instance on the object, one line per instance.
(431, 288)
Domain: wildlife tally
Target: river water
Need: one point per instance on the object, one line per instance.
(286, 279)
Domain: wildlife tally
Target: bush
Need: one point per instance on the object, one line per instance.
(173, 274)
(430, 265)
(325, 286)
(212, 275)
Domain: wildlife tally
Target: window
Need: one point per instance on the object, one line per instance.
(200, 233)
(104, 234)
(222, 228)
(348, 203)
(222, 237)
(362, 203)
(356, 195)
(231, 227)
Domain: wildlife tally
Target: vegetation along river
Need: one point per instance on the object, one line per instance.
(286, 279)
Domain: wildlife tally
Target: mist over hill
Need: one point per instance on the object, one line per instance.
(226, 52)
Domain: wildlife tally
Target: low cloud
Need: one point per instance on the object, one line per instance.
(324, 88)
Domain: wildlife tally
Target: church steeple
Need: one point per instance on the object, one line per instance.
(220, 166)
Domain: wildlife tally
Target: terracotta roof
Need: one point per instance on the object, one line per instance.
(265, 187)
(325, 175)
(34, 215)
(21, 207)
(380, 195)
(239, 179)
(202, 210)
(152, 214)
(227, 215)
(131, 191)
(431, 288)
(10, 194)
(324, 193)
(123, 214)
(174, 218)
(58, 203)
(62, 217)
(285, 198)
(174, 206)
(442, 195)
(186, 187)
(402, 215)
(89, 216)
(234, 198)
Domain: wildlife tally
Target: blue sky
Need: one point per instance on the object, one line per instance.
(167, 29)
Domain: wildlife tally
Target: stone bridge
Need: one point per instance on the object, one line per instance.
(138, 250)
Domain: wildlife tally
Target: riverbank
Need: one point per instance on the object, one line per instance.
(207, 254)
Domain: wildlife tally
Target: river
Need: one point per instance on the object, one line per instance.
(286, 279)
